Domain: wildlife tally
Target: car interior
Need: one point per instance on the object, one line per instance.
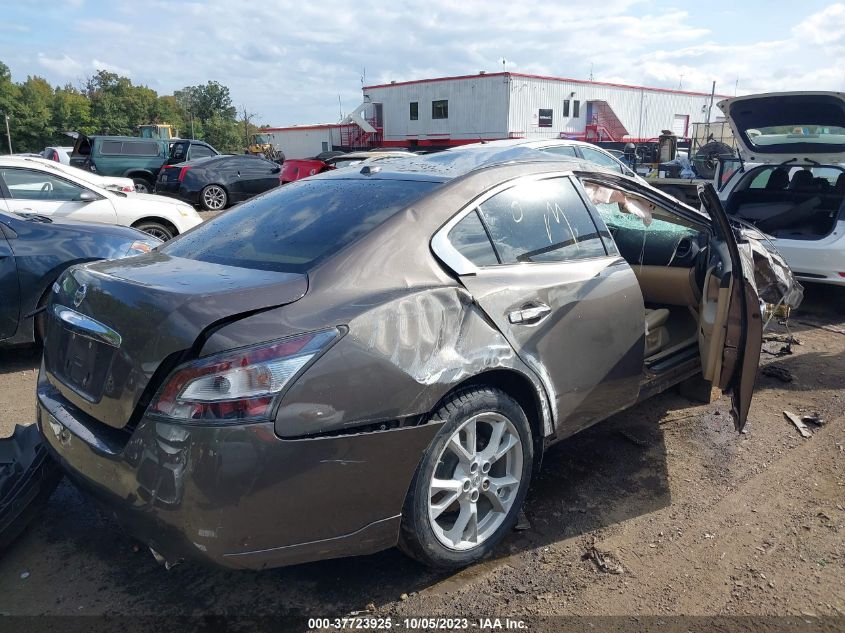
(790, 202)
(680, 280)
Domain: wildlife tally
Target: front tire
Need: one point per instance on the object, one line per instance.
(471, 482)
(142, 185)
(156, 229)
(213, 198)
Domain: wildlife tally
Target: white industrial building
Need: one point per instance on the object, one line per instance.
(448, 111)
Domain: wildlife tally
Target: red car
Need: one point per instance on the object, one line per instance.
(296, 168)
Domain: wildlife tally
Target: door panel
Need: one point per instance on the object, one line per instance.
(9, 290)
(739, 324)
(588, 346)
(572, 312)
(34, 191)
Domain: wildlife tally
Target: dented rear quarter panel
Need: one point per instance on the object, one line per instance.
(415, 333)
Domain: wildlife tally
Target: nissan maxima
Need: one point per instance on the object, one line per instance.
(379, 356)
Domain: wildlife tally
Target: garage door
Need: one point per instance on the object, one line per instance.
(680, 124)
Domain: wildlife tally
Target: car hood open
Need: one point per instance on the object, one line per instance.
(804, 127)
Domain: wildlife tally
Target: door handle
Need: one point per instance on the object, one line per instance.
(530, 314)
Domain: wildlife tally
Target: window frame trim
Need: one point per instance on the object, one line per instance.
(62, 178)
(444, 250)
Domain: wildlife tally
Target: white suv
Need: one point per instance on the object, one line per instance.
(790, 179)
(29, 186)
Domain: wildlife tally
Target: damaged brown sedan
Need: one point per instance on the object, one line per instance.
(379, 356)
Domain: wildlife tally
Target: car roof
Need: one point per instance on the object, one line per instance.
(530, 142)
(445, 166)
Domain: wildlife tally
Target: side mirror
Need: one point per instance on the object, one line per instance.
(87, 196)
(275, 170)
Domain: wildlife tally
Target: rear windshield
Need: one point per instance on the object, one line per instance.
(294, 227)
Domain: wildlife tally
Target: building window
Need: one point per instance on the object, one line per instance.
(566, 107)
(576, 109)
(545, 118)
(440, 109)
(415, 110)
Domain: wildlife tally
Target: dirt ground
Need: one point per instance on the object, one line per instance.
(687, 517)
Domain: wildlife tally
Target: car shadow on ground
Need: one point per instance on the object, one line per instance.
(604, 475)
(15, 359)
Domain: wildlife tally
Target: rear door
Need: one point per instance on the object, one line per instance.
(256, 175)
(739, 336)
(559, 292)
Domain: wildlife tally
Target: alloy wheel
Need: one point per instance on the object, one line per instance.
(476, 481)
(214, 197)
(158, 231)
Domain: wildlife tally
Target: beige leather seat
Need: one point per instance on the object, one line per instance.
(656, 334)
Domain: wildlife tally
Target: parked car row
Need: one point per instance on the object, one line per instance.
(133, 157)
(48, 189)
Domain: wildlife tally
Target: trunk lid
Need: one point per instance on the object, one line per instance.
(776, 127)
(115, 326)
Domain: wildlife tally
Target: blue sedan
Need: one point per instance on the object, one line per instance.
(35, 250)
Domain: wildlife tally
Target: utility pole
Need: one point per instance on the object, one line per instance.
(247, 117)
(8, 134)
(709, 112)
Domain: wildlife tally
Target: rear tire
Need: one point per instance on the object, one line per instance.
(471, 481)
(213, 198)
(156, 229)
(142, 185)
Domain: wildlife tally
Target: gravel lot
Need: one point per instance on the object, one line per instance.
(689, 518)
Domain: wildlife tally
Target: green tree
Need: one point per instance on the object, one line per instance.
(33, 125)
(224, 134)
(8, 101)
(168, 110)
(71, 112)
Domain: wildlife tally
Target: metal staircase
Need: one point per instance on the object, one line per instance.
(602, 123)
(353, 136)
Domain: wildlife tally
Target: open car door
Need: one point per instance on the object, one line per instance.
(731, 305)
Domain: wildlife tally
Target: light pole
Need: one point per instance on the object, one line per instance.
(8, 134)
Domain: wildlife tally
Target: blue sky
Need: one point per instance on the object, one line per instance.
(289, 61)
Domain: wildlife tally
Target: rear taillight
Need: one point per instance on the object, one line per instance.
(182, 172)
(128, 189)
(241, 384)
(54, 155)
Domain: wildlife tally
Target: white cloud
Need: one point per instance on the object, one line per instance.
(64, 66)
(289, 61)
(96, 64)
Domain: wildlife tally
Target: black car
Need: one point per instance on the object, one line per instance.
(217, 182)
(35, 250)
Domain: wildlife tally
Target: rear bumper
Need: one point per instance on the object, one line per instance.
(238, 496)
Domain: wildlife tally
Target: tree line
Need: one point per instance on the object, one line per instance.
(107, 103)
